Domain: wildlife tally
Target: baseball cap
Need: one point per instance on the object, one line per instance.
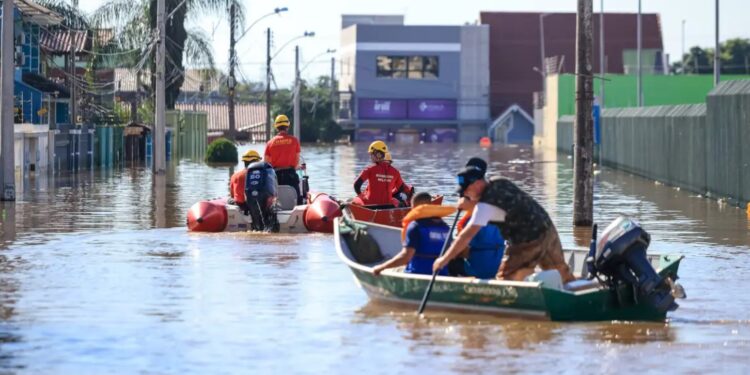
(467, 176)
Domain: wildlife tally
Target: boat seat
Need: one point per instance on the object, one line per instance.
(287, 197)
(550, 279)
(582, 284)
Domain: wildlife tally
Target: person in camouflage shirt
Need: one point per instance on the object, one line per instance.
(531, 236)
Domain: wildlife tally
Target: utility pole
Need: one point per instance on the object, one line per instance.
(296, 114)
(682, 58)
(268, 84)
(542, 67)
(7, 152)
(333, 87)
(72, 76)
(640, 67)
(717, 50)
(158, 136)
(583, 158)
(602, 68)
(231, 82)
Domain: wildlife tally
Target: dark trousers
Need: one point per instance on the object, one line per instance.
(289, 176)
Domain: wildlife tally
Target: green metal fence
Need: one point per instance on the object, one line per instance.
(700, 147)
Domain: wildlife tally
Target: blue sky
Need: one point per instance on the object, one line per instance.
(324, 17)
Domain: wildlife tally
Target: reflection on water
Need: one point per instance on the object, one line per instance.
(98, 275)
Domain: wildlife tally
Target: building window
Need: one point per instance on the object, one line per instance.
(408, 67)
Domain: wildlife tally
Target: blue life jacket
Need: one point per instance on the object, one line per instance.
(485, 253)
(432, 236)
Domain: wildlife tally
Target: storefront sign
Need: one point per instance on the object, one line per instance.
(432, 109)
(375, 109)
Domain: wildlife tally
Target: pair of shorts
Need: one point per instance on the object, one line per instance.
(545, 252)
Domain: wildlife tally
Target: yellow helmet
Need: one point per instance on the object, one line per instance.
(377, 146)
(281, 120)
(251, 156)
(388, 157)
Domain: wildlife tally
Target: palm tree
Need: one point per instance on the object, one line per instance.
(134, 24)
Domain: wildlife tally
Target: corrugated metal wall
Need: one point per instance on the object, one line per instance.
(728, 140)
(704, 148)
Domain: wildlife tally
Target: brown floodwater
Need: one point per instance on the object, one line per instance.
(99, 275)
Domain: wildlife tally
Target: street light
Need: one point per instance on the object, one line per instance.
(330, 50)
(307, 34)
(275, 11)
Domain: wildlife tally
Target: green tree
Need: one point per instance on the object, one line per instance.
(315, 112)
(133, 22)
(735, 56)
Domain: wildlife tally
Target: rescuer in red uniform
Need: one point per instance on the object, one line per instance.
(383, 180)
(282, 152)
(237, 181)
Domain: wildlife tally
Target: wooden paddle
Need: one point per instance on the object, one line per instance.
(434, 274)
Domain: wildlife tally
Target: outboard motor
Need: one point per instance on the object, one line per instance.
(621, 258)
(260, 193)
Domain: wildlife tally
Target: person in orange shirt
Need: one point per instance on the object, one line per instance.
(237, 182)
(282, 152)
(383, 180)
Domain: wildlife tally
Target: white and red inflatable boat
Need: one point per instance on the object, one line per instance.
(219, 216)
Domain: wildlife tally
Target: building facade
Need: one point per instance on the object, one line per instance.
(412, 84)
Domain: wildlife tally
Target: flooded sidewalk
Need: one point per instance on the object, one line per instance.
(99, 275)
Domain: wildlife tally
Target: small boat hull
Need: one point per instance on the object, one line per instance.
(219, 216)
(389, 216)
(499, 297)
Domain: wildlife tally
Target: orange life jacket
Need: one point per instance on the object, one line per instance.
(425, 211)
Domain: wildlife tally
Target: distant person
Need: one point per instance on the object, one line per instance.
(383, 180)
(283, 153)
(237, 182)
(422, 244)
(261, 189)
(530, 234)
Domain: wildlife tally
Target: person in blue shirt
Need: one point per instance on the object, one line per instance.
(485, 253)
(422, 244)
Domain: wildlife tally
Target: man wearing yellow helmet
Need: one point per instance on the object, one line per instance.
(383, 180)
(282, 152)
(237, 182)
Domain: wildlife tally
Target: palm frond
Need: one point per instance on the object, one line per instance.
(198, 51)
(72, 17)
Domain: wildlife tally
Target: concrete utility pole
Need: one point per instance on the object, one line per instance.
(602, 67)
(296, 114)
(640, 66)
(717, 50)
(7, 152)
(542, 65)
(72, 71)
(682, 58)
(333, 88)
(583, 155)
(231, 81)
(268, 84)
(158, 136)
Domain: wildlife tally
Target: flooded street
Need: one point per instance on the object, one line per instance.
(99, 275)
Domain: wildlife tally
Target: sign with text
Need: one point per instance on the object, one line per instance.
(386, 109)
(432, 109)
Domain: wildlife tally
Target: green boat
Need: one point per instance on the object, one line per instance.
(363, 245)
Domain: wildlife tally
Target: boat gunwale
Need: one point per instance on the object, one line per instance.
(470, 280)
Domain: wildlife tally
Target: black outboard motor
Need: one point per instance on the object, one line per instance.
(621, 257)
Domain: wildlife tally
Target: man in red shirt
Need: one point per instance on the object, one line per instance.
(282, 152)
(383, 180)
(237, 182)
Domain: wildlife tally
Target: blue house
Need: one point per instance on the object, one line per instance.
(36, 97)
